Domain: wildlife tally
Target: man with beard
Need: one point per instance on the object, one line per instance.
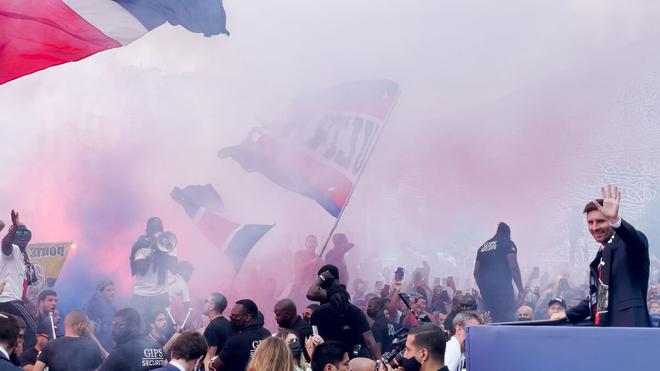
(619, 274)
(219, 330)
(286, 316)
(17, 272)
(47, 304)
(150, 267)
(496, 265)
(383, 329)
(239, 349)
(134, 351)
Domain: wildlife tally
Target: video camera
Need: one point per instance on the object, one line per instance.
(394, 356)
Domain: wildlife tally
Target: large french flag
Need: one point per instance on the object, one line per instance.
(204, 206)
(37, 34)
(323, 144)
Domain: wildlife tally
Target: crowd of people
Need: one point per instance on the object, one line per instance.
(328, 322)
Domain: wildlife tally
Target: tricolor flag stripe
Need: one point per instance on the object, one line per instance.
(109, 17)
(37, 34)
(293, 170)
(204, 205)
(216, 228)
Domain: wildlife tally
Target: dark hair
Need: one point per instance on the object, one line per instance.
(590, 206)
(21, 322)
(503, 230)
(431, 337)
(219, 302)
(43, 294)
(330, 352)
(189, 346)
(330, 268)
(131, 316)
(313, 307)
(249, 306)
(153, 315)
(9, 329)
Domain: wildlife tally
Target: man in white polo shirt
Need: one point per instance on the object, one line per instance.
(455, 350)
(14, 268)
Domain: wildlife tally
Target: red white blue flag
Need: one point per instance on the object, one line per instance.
(324, 142)
(37, 34)
(205, 207)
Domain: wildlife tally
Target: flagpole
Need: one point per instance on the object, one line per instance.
(350, 194)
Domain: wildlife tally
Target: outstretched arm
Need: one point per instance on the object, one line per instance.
(7, 248)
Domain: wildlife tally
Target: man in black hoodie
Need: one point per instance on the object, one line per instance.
(248, 324)
(496, 265)
(134, 351)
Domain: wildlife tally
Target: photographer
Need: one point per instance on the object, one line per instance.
(425, 349)
(150, 266)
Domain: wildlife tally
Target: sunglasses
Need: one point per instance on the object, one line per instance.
(22, 233)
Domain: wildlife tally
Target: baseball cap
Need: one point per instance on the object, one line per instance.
(559, 301)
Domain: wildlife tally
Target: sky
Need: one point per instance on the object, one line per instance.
(510, 111)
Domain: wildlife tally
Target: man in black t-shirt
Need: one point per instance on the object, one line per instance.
(240, 348)
(219, 329)
(134, 351)
(383, 329)
(286, 316)
(73, 351)
(341, 321)
(496, 265)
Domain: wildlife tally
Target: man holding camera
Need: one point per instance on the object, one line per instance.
(425, 349)
(150, 264)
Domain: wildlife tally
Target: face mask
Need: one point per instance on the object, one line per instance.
(411, 364)
(296, 348)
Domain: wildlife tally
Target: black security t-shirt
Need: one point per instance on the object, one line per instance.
(218, 332)
(241, 347)
(494, 273)
(302, 328)
(139, 354)
(347, 329)
(71, 353)
(384, 330)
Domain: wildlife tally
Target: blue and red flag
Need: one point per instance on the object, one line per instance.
(204, 206)
(323, 143)
(37, 34)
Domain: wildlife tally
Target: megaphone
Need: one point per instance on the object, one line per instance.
(166, 242)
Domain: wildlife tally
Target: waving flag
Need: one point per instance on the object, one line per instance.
(323, 144)
(37, 34)
(205, 207)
